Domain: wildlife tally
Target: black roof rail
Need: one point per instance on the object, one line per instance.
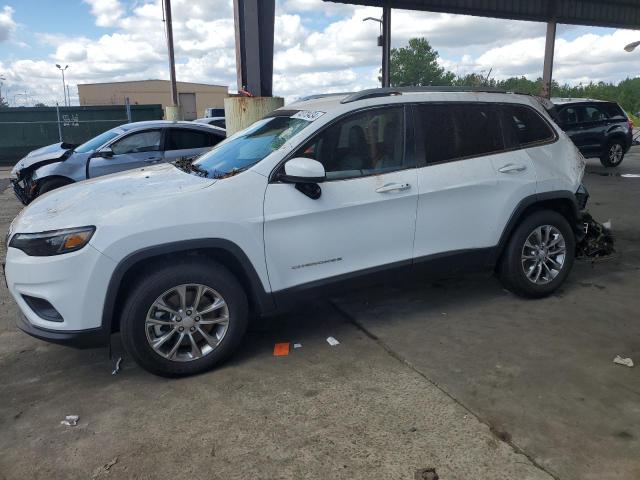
(391, 91)
(322, 95)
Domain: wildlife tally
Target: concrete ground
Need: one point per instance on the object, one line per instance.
(456, 375)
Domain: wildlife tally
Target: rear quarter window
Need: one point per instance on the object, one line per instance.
(527, 125)
(614, 111)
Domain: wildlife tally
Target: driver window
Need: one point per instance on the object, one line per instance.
(366, 143)
(147, 141)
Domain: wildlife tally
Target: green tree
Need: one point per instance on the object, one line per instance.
(3, 103)
(417, 65)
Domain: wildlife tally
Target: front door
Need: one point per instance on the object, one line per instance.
(133, 150)
(364, 219)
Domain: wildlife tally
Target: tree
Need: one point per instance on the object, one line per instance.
(3, 103)
(417, 65)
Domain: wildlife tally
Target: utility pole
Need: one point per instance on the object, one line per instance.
(64, 86)
(174, 111)
(386, 46)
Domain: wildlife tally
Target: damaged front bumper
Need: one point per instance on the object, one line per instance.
(24, 189)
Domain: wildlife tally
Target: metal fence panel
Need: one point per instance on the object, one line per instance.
(26, 128)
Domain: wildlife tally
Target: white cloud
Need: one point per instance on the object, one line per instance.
(107, 12)
(7, 24)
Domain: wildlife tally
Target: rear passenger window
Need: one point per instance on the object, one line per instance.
(614, 111)
(183, 139)
(451, 131)
(528, 125)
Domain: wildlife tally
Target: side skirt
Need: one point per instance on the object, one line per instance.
(432, 266)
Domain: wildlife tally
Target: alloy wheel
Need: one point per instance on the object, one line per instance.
(187, 322)
(615, 153)
(543, 254)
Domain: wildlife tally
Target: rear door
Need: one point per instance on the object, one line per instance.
(186, 142)
(594, 128)
(471, 179)
(132, 150)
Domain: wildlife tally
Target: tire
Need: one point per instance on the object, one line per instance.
(518, 259)
(613, 154)
(139, 317)
(52, 183)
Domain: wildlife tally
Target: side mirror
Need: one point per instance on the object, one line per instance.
(303, 170)
(105, 152)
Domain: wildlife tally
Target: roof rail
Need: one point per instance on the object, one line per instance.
(322, 95)
(392, 91)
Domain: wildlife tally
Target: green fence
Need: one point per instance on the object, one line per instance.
(25, 129)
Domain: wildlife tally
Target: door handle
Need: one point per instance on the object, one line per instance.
(392, 187)
(512, 168)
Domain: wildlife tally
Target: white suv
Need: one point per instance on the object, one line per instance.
(323, 192)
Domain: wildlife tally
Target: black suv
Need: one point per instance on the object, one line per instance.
(599, 129)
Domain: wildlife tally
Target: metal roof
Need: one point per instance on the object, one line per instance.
(601, 13)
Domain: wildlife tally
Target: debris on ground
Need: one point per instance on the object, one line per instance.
(630, 175)
(116, 370)
(426, 474)
(332, 341)
(597, 241)
(70, 420)
(104, 468)
(281, 349)
(627, 362)
(297, 345)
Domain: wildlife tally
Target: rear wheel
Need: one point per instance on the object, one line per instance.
(184, 319)
(49, 184)
(613, 154)
(539, 255)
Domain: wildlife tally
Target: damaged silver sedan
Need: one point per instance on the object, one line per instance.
(124, 147)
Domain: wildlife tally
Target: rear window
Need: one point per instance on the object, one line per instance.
(613, 111)
(527, 125)
(451, 131)
(184, 139)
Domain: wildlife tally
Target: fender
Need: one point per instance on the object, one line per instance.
(49, 170)
(262, 299)
(529, 202)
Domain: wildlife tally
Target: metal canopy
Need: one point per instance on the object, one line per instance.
(597, 13)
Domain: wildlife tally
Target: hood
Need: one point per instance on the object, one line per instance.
(48, 153)
(111, 198)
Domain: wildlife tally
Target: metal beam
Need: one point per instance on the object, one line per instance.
(599, 13)
(549, 49)
(386, 47)
(254, 21)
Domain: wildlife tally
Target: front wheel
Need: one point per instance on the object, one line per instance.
(184, 319)
(613, 154)
(49, 184)
(539, 255)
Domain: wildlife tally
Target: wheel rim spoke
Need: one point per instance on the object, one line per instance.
(179, 330)
(216, 305)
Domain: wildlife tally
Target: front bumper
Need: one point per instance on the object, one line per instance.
(92, 338)
(75, 284)
(23, 190)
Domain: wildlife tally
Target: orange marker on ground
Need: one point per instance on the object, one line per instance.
(281, 349)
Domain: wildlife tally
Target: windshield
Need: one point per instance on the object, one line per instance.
(248, 147)
(98, 141)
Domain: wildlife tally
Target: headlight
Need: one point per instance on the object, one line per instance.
(55, 242)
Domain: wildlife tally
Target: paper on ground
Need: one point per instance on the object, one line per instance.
(332, 341)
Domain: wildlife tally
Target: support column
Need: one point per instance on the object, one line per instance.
(173, 111)
(549, 49)
(386, 46)
(254, 21)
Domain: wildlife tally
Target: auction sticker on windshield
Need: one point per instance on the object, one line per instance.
(307, 115)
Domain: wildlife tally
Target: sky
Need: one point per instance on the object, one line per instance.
(320, 46)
